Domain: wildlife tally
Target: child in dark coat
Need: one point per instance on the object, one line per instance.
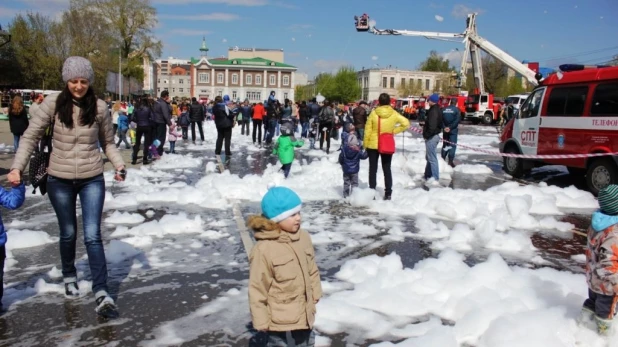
(349, 158)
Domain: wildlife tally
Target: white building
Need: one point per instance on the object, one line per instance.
(375, 81)
(241, 78)
(173, 75)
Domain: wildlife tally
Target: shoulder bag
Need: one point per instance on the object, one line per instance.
(386, 141)
(40, 161)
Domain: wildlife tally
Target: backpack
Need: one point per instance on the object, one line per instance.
(183, 120)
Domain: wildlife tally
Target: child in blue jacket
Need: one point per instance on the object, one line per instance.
(11, 199)
(349, 158)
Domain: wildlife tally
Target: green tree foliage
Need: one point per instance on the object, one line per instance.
(100, 30)
(435, 63)
(409, 89)
(300, 93)
(342, 87)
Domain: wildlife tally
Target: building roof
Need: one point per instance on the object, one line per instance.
(254, 62)
(241, 49)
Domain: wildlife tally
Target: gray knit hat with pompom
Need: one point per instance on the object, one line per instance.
(77, 67)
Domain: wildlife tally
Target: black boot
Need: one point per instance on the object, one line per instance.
(451, 164)
(387, 195)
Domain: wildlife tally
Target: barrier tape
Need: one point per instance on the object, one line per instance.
(525, 156)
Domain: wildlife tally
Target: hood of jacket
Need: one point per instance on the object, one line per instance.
(384, 111)
(602, 221)
(265, 229)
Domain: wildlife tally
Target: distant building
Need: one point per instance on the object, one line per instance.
(249, 53)
(375, 81)
(242, 76)
(173, 75)
(301, 79)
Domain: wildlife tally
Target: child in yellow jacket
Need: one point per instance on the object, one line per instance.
(284, 280)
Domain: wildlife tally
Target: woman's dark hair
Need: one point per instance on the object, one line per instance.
(384, 99)
(144, 102)
(303, 104)
(87, 106)
(287, 102)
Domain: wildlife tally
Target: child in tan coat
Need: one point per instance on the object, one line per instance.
(284, 280)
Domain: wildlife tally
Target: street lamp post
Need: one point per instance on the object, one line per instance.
(120, 74)
(5, 37)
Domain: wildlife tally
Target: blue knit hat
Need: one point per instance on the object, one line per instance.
(226, 98)
(280, 203)
(435, 97)
(608, 200)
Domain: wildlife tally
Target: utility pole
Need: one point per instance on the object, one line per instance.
(119, 74)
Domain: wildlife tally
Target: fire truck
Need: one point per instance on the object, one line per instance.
(572, 112)
(479, 106)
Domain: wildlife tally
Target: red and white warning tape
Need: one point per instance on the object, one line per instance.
(526, 156)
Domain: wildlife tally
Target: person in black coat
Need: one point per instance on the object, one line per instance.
(196, 116)
(18, 120)
(224, 121)
(431, 130)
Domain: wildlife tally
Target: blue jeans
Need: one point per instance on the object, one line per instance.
(305, 130)
(172, 146)
(16, 142)
(271, 130)
(302, 338)
(277, 129)
(450, 148)
(432, 168)
(63, 195)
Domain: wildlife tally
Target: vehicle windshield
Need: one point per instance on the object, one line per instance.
(513, 99)
(473, 99)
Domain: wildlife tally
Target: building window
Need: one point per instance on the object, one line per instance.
(204, 77)
(286, 80)
(392, 82)
(366, 83)
(181, 90)
(234, 95)
(173, 90)
(220, 93)
(403, 82)
(158, 90)
(165, 89)
(181, 81)
(419, 83)
(219, 78)
(272, 80)
(427, 85)
(285, 96)
(384, 80)
(158, 81)
(258, 79)
(411, 81)
(259, 96)
(234, 78)
(248, 79)
(248, 96)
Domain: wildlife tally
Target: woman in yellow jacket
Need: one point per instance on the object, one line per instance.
(390, 121)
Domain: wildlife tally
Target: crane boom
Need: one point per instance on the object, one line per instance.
(474, 43)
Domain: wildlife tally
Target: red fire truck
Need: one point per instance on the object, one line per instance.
(481, 107)
(571, 112)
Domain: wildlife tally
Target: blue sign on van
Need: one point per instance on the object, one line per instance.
(561, 141)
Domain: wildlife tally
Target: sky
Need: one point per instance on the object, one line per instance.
(319, 35)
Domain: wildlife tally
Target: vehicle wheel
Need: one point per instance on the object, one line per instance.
(601, 173)
(488, 118)
(513, 166)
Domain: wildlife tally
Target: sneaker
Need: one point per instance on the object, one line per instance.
(106, 307)
(71, 289)
(432, 182)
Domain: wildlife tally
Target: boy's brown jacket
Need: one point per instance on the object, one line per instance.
(284, 280)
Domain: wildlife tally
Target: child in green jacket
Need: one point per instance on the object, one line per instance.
(285, 148)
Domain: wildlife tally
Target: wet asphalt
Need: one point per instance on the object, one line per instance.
(151, 295)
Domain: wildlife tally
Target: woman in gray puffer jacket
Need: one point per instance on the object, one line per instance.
(78, 120)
